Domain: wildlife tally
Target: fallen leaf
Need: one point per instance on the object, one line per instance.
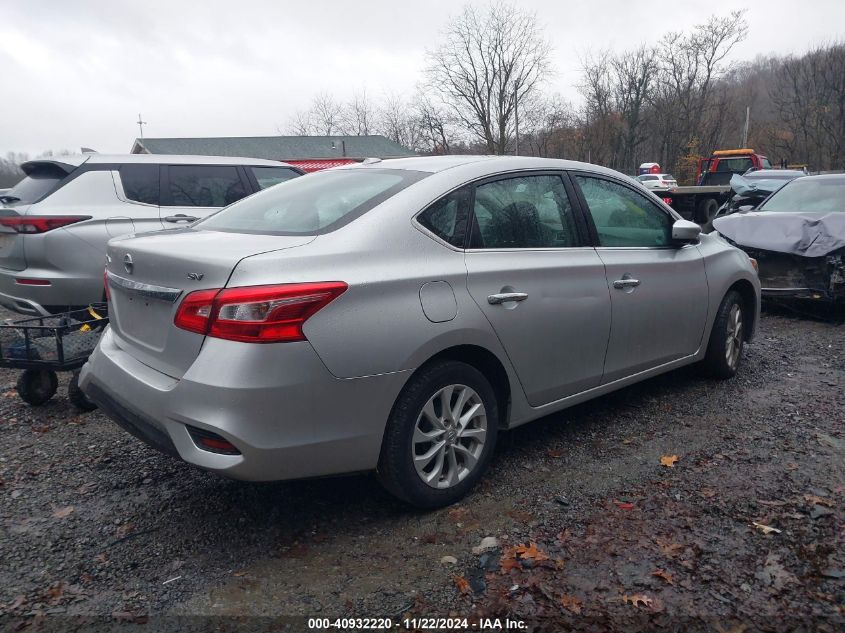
(520, 515)
(449, 560)
(457, 513)
(63, 513)
(462, 584)
(668, 548)
(101, 558)
(707, 493)
(669, 461)
(531, 552)
(628, 440)
(571, 603)
(765, 529)
(637, 600)
(624, 505)
(664, 576)
(818, 500)
(239, 574)
(554, 454)
(508, 564)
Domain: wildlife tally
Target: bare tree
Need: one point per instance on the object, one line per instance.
(358, 117)
(398, 121)
(490, 59)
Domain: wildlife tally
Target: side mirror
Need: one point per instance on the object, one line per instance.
(746, 208)
(685, 232)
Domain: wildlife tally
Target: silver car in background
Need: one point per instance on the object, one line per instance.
(394, 316)
(55, 223)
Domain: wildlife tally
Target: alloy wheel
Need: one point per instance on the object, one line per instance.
(733, 344)
(449, 436)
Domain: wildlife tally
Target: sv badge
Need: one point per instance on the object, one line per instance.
(196, 276)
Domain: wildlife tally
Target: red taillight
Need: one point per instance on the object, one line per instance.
(40, 223)
(24, 281)
(256, 314)
(106, 284)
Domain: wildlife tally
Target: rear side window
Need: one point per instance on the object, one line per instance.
(269, 176)
(447, 218)
(39, 182)
(140, 183)
(624, 217)
(526, 212)
(204, 185)
(319, 203)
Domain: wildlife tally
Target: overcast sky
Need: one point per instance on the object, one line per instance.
(78, 73)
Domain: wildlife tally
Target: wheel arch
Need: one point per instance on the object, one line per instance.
(484, 361)
(749, 305)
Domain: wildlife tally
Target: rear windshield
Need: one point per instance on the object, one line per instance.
(269, 176)
(316, 203)
(33, 187)
(809, 195)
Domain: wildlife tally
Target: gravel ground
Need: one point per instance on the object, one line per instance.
(593, 532)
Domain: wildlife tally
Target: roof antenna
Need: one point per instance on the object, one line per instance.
(141, 123)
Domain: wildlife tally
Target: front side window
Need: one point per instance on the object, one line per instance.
(624, 217)
(140, 183)
(269, 176)
(523, 212)
(205, 185)
(447, 218)
(317, 204)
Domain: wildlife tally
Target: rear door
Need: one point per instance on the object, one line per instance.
(658, 290)
(192, 192)
(139, 186)
(542, 289)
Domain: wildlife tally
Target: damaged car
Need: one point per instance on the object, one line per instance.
(752, 188)
(797, 237)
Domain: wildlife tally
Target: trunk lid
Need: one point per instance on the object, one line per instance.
(149, 276)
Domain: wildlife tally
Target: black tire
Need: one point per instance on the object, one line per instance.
(716, 363)
(37, 386)
(396, 470)
(706, 211)
(76, 396)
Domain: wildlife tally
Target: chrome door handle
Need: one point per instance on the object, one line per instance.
(626, 283)
(506, 296)
(180, 217)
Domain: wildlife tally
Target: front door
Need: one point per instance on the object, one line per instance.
(658, 289)
(543, 291)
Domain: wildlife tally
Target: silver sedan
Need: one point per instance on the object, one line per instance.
(395, 316)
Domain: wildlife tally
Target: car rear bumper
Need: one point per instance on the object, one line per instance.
(64, 289)
(278, 404)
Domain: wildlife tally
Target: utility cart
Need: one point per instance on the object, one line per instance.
(44, 345)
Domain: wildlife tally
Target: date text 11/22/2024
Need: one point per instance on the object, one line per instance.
(482, 625)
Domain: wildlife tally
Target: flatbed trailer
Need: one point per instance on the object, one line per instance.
(699, 203)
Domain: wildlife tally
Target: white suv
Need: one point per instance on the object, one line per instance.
(55, 223)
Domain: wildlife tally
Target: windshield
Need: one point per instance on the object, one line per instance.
(317, 203)
(809, 195)
(39, 182)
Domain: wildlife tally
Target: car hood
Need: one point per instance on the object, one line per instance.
(805, 234)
